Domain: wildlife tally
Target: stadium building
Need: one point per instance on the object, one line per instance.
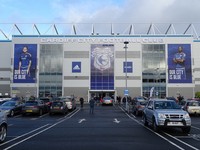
(156, 61)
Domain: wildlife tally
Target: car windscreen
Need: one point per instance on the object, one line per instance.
(57, 104)
(140, 99)
(45, 99)
(193, 104)
(107, 98)
(8, 104)
(166, 105)
(31, 103)
(67, 100)
(142, 103)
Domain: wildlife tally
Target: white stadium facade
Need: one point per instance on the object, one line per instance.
(94, 59)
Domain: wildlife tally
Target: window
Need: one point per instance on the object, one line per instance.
(50, 70)
(154, 69)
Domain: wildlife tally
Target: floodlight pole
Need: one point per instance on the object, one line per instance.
(125, 47)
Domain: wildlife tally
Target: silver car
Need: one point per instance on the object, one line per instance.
(3, 126)
(166, 113)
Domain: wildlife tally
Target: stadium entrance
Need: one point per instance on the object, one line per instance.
(98, 95)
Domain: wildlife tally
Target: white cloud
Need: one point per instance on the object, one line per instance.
(130, 11)
(100, 11)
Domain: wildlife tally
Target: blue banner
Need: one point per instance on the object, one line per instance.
(129, 67)
(25, 63)
(179, 63)
(76, 67)
(102, 67)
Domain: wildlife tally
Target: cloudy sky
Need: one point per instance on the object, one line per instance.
(99, 11)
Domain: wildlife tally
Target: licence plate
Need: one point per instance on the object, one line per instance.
(29, 110)
(174, 123)
(56, 107)
(195, 110)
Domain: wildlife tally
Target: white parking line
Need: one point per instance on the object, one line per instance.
(24, 135)
(68, 117)
(195, 127)
(163, 136)
(181, 141)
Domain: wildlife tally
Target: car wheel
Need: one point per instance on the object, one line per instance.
(12, 113)
(40, 112)
(3, 133)
(186, 130)
(155, 127)
(145, 121)
(137, 113)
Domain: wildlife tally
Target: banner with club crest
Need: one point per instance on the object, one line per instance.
(102, 67)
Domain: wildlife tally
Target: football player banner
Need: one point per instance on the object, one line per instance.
(102, 66)
(179, 63)
(25, 63)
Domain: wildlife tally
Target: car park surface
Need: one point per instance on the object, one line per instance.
(108, 128)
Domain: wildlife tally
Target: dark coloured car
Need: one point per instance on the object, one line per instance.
(47, 101)
(34, 107)
(138, 98)
(138, 107)
(11, 108)
(3, 101)
(58, 107)
(3, 126)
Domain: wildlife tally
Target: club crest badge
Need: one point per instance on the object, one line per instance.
(102, 58)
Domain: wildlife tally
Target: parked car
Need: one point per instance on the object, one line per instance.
(34, 107)
(166, 113)
(70, 101)
(3, 126)
(138, 107)
(107, 100)
(138, 98)
(47, 101)
(192, 107)
(58, 107)
(11, 108)
(172, 98)
(3, 101)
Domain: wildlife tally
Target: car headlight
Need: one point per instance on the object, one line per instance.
(186, 116)
(161, 116)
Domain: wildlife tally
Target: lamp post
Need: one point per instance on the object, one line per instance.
(125, 47)
(157, 82)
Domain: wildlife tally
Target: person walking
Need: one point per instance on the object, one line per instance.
(81, 101)
(92, 101)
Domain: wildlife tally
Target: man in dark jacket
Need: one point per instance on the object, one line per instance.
(81, 102)
(92, 101)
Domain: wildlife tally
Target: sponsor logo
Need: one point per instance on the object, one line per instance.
(76, 67)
